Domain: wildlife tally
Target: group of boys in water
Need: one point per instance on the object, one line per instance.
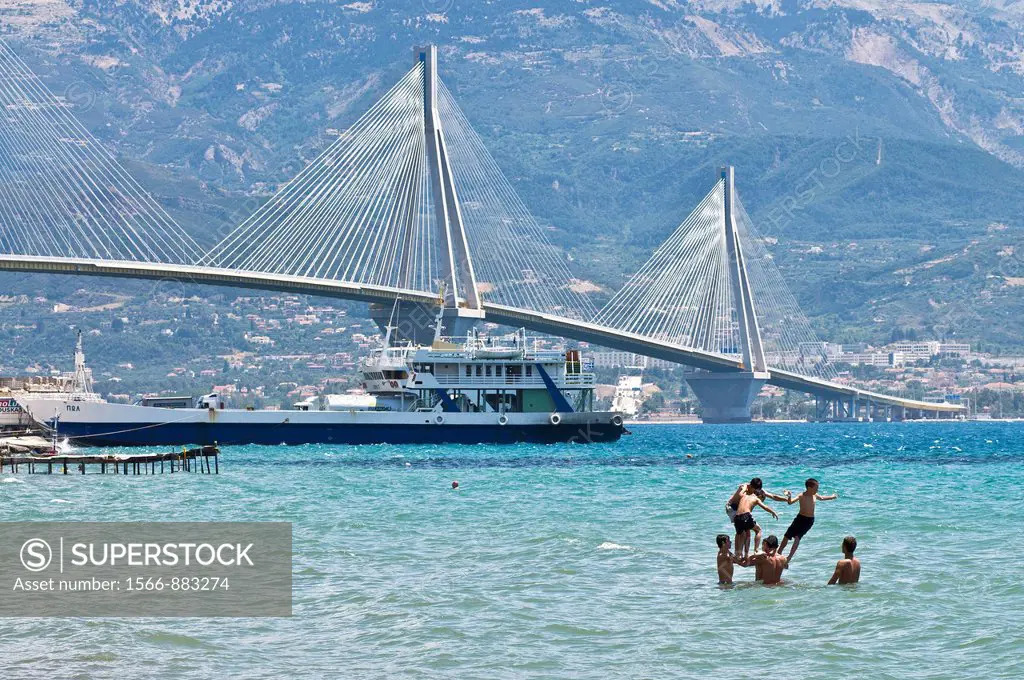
(770, 564)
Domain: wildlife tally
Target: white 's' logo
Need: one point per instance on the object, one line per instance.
(36, 554)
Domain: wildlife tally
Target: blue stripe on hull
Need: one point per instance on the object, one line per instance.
(178, 434)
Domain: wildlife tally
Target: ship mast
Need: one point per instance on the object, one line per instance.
(83, 376)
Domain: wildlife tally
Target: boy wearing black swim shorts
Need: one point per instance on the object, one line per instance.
(804, 519)
(756, 487)
(753, 486)
(744, 521)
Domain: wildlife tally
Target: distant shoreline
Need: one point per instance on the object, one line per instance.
(664, 422)
(811, 422)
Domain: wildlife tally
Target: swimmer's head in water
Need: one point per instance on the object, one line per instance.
(771, 543)
(849, 544)
(811, 484)
(455, 485)
(756, 484)
(722, 540)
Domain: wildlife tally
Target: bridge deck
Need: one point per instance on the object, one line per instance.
(536, 321)
(629, 342)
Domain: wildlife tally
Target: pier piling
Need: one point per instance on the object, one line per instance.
(189, 460)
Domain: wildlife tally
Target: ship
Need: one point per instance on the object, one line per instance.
(74, 386)
(629, 392)
(478, 390)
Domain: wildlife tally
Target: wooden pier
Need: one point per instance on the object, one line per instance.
(202, 461)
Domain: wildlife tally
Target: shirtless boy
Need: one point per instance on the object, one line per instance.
(744, 522)
(756, 487)
(804, 519)
(770, 564)
(848, 568)
(726, 560)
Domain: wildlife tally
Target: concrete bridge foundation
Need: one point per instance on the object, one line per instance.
(726, 397)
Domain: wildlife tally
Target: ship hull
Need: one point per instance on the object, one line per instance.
(123, 425)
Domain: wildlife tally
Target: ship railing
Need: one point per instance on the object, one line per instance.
(471, 382)
(489, 381)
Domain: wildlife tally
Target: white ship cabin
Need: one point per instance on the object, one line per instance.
(490, 375)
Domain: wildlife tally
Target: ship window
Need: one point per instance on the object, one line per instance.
(478, 371)
(487, 371)
(498, 369)
(469, 370)
(529, 370)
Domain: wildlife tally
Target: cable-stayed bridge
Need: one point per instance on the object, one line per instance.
(406, 210)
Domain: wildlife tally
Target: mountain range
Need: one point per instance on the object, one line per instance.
(879, 146)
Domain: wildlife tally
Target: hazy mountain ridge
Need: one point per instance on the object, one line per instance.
(966, 62)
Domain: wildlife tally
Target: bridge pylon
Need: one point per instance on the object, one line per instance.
(459, 292)
(727, 397)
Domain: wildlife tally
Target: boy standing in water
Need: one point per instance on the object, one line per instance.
(744, 522)
(726, 560)
(770, 564)
(804, 519)
(848, 568)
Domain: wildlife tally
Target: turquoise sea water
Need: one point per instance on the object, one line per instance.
(578, 561)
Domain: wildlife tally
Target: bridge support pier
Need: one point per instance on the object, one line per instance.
(726, 397)
(851, 409)
(841, 409)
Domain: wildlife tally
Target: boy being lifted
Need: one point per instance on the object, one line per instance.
(804, 519)
(744, 521)
(754, 486)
